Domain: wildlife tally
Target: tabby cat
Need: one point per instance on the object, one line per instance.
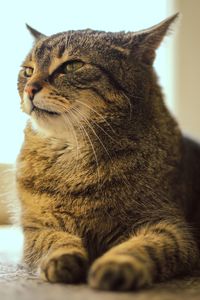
(109, 187)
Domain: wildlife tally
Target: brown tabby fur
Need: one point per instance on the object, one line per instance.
(109, 187)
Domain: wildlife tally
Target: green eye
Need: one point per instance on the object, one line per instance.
(28, 72)
(73, 66)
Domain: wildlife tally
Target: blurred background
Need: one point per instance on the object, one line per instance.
(177, 63)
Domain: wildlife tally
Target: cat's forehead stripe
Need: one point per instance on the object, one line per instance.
(41, 55)
(51, 53)
(56, 44)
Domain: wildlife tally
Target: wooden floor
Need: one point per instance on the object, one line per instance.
(17, 283)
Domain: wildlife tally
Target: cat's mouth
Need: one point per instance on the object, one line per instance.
(40, 111)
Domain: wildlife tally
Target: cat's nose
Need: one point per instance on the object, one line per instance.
(32, 88)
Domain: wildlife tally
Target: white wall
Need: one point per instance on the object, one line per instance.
(54, 16)
(188, 67)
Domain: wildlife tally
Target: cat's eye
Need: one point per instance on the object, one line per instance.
(73, 66)
(28, 72)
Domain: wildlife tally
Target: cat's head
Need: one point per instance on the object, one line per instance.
(87, 75)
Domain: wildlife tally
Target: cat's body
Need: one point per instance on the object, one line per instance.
(119, 180)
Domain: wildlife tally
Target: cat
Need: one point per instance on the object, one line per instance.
(108, 185)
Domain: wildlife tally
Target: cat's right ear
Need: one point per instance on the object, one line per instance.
(143, 44)
(36, 34)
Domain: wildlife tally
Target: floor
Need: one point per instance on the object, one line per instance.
(16, 283)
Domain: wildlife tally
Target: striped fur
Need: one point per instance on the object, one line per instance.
(109, 187)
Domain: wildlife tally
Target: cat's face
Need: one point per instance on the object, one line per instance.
(83, 76)
(69, 76)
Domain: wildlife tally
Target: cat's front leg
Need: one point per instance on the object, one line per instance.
(154, 253)
(58, 256)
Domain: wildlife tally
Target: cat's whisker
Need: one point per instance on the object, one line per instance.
(130, 105)
(100, 127)
(67, 118)
(92, 146)
(85, 119)
(70, 122)
(94, 132)
(123, 179)
(100, 115)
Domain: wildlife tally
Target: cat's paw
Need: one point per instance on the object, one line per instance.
(63, 266)
(119, 272)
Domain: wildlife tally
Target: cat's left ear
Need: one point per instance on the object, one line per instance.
(36, 34)
(143, 44)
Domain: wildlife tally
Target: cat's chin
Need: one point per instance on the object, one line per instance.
(49, 125)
